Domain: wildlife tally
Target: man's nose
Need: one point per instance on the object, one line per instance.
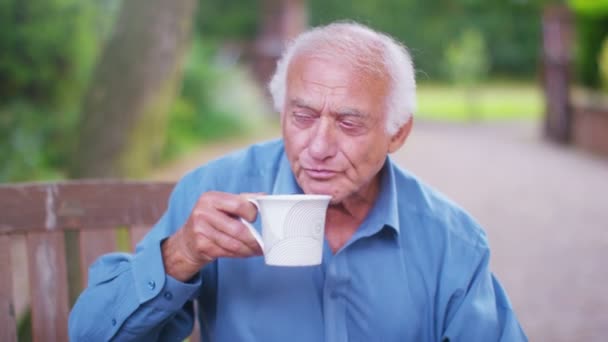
(323, 140)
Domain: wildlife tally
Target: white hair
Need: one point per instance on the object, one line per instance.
(364, 48)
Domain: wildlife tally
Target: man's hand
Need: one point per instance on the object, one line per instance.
(213, 230)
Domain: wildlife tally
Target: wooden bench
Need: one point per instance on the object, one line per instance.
(95, 217)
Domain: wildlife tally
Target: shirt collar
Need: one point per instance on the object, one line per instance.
(384, 213)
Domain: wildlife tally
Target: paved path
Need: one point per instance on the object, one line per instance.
(545, 209)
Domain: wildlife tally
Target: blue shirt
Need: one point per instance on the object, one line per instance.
(415, 270)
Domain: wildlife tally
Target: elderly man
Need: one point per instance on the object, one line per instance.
(401, 262)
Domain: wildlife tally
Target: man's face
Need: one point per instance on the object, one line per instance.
(333, 125)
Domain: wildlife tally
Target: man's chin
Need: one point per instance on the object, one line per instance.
(336, 197)
(318, 189)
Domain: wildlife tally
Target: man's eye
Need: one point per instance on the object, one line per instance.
(347, 124)
(351, 126)
(302, 117)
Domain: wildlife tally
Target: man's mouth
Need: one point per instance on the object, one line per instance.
(320, 174)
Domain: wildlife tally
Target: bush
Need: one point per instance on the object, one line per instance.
(603, 65)
(193, 116)
(34, 142)
(466, 59)
(466, 64)
(591, 31)
(47, 50)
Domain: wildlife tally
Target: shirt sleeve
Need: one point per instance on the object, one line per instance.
(122, 302)
(130, 297)
(481, 311)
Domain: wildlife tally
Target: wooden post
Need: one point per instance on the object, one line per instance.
(557, 56)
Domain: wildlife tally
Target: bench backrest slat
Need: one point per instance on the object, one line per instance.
(48, 285)
(136, 233)
(93, 243)
(8, 325)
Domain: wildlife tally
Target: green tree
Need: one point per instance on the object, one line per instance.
(47, 49)
(125, 108)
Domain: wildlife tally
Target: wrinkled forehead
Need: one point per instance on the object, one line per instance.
(361, 51)
(332, 72)
(326, 67)
(317, 81)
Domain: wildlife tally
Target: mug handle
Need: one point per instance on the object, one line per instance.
(254, 232)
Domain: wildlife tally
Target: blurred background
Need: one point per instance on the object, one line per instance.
(75, 73)
(512, 120)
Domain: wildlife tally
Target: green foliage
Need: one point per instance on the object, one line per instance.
(592, 8)
(47, 48)
(466, 58)
(603, 64)
(24, 327)
(194, 118)
(427, 27)
(48, 51)
(34, 142)
(591, 32)
(228, 19)
(466, 64)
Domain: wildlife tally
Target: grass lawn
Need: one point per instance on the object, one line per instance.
(491, 101)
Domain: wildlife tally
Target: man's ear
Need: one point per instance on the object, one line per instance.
(398, 139)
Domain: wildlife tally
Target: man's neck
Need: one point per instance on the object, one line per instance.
(344, 218)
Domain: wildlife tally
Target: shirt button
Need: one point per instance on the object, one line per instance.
(113, 321)
(168, 295)
(151, 284)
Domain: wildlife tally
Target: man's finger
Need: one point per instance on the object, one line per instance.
(224, 245)
(232, 227)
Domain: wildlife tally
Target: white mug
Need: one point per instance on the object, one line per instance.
(293, 228)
